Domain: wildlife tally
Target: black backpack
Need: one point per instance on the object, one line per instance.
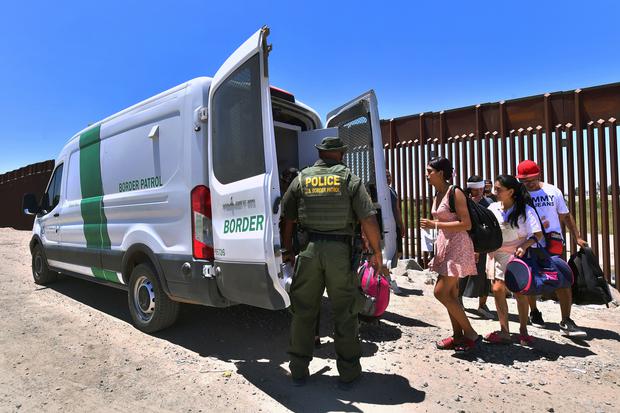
(590, 285)
(485, 231)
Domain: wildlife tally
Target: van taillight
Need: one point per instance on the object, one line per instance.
(202, 231)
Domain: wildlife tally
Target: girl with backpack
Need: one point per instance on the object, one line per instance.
(520, 230)
(454, 254)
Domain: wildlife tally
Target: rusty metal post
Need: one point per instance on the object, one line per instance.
(424, 161)
(615, 195)
(602, 158)
(548, 139)
(403, 200)
(457, 155)
(402, 191)
(592, 189)
(420, 177)
(411, 172)
(473, 137)
(521, 142)
(462, 178)
(559, 158)
(502, 136)
(570, 166)
(540, 159)
(392, 166)
(429, 188)
(513, 153)
(480, 139)
(450, 149)
(487, 155)
(472, 156)
(581, 180)
(397, 174)
(530, 144)
(496, 163)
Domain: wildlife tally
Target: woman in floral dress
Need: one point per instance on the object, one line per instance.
(454, 253)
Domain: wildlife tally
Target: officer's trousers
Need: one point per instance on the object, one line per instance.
(325, 264)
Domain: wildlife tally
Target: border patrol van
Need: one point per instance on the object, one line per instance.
(176, 199)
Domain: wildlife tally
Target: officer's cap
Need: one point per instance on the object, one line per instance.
(331, 143)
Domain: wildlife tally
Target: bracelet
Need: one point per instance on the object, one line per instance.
(436, 223)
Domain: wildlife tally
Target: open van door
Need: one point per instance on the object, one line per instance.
(359, 128)
(243, 179)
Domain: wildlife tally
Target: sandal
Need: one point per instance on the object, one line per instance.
(468, 345)
(446, 344)
(525, 339)
(497, 338)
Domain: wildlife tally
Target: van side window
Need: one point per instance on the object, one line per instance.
(52, 196)
(237, 126)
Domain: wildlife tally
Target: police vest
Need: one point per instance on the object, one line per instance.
(325, 203)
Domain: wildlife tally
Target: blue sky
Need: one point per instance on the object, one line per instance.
(66, 64)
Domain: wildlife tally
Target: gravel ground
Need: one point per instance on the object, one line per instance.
(71, 347)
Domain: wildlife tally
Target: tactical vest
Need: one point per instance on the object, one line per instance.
(325, 203)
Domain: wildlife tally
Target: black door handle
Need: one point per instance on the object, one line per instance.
(276, 205)
(56, 214)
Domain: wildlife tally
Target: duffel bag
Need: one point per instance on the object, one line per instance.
(537, 272)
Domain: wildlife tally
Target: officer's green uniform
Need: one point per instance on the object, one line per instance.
(326, 200)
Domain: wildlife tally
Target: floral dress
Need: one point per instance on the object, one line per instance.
(454, 250)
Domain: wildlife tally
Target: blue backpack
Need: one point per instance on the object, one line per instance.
(537, 273)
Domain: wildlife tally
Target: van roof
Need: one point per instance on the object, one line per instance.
(205, 81)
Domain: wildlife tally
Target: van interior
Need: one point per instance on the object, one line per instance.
(296, 134)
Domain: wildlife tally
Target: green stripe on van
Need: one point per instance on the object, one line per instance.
(105, 274)
(91, 205)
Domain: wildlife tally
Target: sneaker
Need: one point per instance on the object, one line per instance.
(484, 312)
(536, 319)
(570, 329)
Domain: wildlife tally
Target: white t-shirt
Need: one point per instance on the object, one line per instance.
(526, 225)
(549, 203)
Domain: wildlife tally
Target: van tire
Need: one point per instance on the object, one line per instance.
(150, 308)
(41, 273)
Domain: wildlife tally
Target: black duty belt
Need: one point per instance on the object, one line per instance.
(315, 236)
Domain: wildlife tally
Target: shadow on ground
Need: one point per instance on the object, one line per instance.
(322, 394)
(256, 340)
(541, 348)
(406, 292)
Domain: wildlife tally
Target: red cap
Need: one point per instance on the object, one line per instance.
(527, 169)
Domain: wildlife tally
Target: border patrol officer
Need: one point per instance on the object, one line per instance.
(327, 201)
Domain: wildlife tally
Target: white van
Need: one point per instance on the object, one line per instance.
(176, 199)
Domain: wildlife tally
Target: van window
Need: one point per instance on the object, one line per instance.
(237, 126)
(52, 196)
(357, 134)
(74, 190)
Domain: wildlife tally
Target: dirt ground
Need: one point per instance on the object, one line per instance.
(71, 347)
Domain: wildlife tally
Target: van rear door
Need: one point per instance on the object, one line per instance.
(358, 126)
(243, 179)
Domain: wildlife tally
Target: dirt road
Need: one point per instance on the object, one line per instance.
(71, 347)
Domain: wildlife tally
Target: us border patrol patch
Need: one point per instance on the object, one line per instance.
(321, 185)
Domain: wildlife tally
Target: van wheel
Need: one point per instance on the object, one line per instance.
(149, 306)
(40, 271)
